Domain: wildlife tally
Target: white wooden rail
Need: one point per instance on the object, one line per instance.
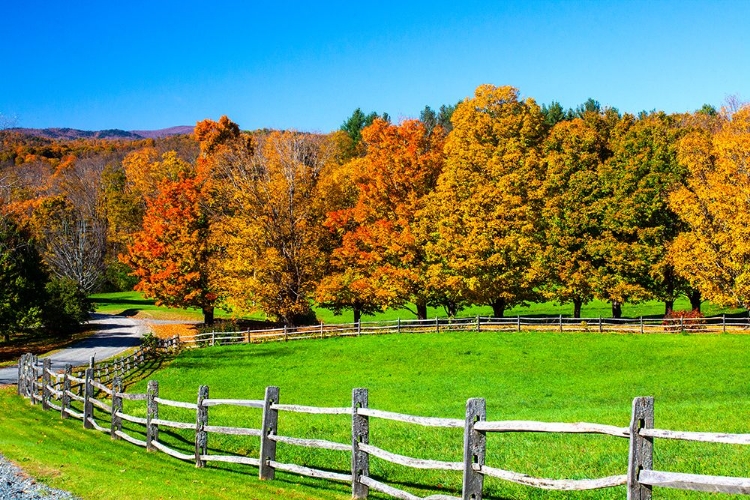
(639, 478)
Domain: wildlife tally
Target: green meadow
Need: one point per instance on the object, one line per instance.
(700, 383)
(133, 303)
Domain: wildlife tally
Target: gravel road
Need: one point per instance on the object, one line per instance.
(16, 485)
(115, 334)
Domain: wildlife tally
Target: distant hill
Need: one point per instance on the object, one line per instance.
(71, 134)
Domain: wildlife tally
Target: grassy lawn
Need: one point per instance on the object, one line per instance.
(700, 383)
(134, 304)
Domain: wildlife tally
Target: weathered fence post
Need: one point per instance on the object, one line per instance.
(46, 380)
(359, 328)
(116, 422)
(398, 324)
(31, 384)
(152, 430)
(561, 329)
(437, 325)
(682, 324)
(213, 337)
(600, 324)
(21, 362)
(478, 323)
(518, 322)
(201, 421)
(723, 323)
(65, 400)
(286, 334)
(360, 434)
(88, 393)
(269, 427)
(640, 455)
(474, 449)
(641, 325)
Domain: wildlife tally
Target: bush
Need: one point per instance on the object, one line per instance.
(67, 305)
(692, 321)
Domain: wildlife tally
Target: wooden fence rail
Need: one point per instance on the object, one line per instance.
(718, 324)
(639, 477)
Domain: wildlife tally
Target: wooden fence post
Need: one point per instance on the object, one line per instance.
(600, 324)
(269, 427)
(46, 380)
(88, 393)
(475, 443)
(360, 434)
(116, 421)
(641, 325)
(437, 325)
(640, 455)
(723, 323)
(65, 401)
(31, 385)
(201, 421)
(359, 328)
(518, 322)
(152, 430)
(561, 329)
(478, 322)
(19, 385)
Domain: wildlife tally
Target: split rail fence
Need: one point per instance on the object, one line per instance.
(100, 407)
(718, 324)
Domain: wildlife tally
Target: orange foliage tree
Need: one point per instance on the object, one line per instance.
(380, 262)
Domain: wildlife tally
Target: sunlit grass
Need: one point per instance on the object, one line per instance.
(699, 382)
(134, 304)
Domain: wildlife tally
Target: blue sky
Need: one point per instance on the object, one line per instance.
(308, 65)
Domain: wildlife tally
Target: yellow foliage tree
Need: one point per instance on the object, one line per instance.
(714, 254)
(483, 216)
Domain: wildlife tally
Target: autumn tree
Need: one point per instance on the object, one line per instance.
(381, 261)
(485, 209)
(574, 154)
(270, 222)
(639, 223)
(713, 253)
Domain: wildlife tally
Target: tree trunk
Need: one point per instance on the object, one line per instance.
(577, 304)
(695, 300)
(451, 308)
(498, 308)
(421, 309)
(616, 309)
(208, 315)
(357, 314)
(668, 307)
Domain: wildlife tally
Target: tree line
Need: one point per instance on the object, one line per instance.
(494, 201)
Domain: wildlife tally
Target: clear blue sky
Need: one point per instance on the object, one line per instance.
(308, 65)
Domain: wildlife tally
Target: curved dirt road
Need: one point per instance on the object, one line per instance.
(115, 334)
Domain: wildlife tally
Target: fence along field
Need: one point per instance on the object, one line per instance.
(86, 399)
(718, 324)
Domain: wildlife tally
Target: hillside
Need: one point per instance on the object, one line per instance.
(71, 134)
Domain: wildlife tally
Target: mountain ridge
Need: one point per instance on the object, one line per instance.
(65, 133)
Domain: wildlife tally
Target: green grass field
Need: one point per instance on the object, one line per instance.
(133, 303)
(700, 383)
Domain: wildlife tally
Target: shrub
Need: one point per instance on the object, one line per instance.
(687, 321)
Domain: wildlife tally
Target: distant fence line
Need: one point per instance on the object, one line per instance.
(44, 386)
(716, 324)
